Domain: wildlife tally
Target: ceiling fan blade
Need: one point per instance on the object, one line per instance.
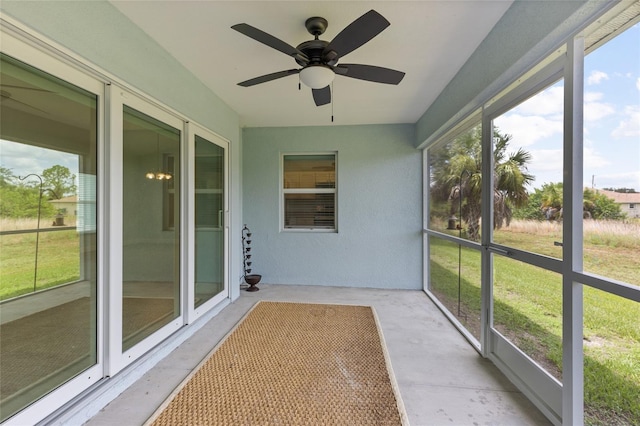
(13, 86)
(357, 33)
(270, 41)
(322, 96)
(268, 77)
(341, 69)
(11, 99)
(370, 73)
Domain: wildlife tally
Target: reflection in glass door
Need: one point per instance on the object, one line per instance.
(209, 220)
(151, 226)
(48, 241)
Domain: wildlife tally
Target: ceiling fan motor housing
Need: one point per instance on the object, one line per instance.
(314, 50)
(316, 25)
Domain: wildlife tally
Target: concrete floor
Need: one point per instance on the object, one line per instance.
(442, 379)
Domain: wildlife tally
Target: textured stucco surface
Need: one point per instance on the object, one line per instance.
(379, 243)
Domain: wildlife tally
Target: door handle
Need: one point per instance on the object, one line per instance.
(499, 251)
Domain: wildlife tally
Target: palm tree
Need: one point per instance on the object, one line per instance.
(456, 170)
(551, 200)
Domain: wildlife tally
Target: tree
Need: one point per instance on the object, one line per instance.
(551, 201)
(6, 176)
(621, 190)
(544, 203)
(456, 170)
(548, 200)
(532, 209)
(551, 195)
(59, 180)
(20, 198)
(602, 207)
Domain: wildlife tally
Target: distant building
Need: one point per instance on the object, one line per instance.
(629, 202)
(68, 206)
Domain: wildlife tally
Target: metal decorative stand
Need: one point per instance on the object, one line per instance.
(41, 192)
(251, 279)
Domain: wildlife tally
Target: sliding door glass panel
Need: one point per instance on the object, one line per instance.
(527, 144)
(151, 226)
(209, 220)
(48, 145)
(612, 159)
(455, 169)
(454, 278)
(611, 358)
(527, 311)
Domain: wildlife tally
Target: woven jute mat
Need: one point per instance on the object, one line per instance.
(292, 364)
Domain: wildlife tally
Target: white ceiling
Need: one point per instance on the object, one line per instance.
(428, 40)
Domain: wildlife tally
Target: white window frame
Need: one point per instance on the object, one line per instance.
(284, 191)
(17, 45)
(117, 358)
(194, 313)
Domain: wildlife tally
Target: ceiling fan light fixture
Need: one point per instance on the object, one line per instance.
(319, 58)
(317, 76)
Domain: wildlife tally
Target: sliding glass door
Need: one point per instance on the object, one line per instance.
(151, 226)
(49, 300)
(114, 228)
(209, 225)
(146, 272)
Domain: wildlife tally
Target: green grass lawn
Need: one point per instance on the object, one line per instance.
(528, 311)
(58, 261)
(614, 256)
(527, 304)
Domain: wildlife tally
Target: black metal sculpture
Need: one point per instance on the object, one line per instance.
(249, 278)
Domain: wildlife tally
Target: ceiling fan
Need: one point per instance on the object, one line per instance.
(319, 58)
(6, 95)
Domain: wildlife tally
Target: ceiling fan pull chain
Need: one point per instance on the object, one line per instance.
(332, 96)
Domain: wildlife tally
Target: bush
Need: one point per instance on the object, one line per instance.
(532, 210)
(602, 207)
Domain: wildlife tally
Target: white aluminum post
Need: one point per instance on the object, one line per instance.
(187, 264)
(113, 230)
(572, 305)
(426, 185)
(487, 233)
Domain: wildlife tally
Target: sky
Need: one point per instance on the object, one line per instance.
(611, 125)
(611, 120)
(24, 159)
